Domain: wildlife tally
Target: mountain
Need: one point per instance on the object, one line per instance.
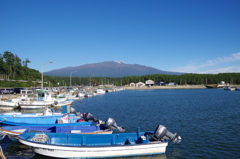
(108, 69)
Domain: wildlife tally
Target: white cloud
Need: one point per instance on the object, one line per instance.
(232, 58)
(222, 70)
(216, 63)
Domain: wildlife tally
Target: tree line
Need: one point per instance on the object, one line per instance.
(189, 78)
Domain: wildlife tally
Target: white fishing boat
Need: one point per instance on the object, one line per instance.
(81, 94)
(35, 100)
(9, 104)
(222, 84)
(73, 96)
(68, 145)
(229, 88)
(88, 95)
(46, 112)
(62, 103)
(100, 91)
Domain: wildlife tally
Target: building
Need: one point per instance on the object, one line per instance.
(149, 82)
(132, 84)
(140, 84)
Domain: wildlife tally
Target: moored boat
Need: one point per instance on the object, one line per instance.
(88, 95)
(35, 100)
(229, 88)
(46, 112)
(100, 91)
(99, 145)
(106, 127)
(81, 94)
(63, 103)
(9, 104)
(48, 120)
(41, 120)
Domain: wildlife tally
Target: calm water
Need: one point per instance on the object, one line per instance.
(208, 120)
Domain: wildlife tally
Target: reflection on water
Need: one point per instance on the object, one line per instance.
(15, 150)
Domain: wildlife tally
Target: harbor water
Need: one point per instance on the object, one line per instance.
(208, 120)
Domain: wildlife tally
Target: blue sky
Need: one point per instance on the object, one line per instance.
(192, 36)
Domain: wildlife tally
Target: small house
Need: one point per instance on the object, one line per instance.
(132, 84)
(140, 84)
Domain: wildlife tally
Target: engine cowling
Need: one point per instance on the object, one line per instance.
(111, 124)
(73, 111)
(161, 133)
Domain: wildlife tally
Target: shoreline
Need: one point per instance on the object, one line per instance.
(166, 87)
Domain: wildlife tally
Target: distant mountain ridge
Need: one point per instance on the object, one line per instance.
(108, 69)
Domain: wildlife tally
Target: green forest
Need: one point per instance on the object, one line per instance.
(189, 78)
(14, 72)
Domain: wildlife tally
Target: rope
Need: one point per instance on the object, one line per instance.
(1, 153)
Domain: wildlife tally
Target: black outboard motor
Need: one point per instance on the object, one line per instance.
(161, 132)
(89, 117)
(110, 123)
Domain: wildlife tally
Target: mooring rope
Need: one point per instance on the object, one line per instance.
(1, 153)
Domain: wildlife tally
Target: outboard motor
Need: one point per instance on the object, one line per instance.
(64, 119)
(89, 116)
(47, 111)
(73, 111)
(110, 123)
(161, 132)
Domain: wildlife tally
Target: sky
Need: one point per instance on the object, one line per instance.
(190, 36)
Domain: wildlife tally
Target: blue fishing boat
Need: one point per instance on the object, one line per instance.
(106, 127)
(50, 120)
(68, 145)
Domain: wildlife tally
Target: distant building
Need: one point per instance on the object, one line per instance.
(140, 84)
(149, 82)
(132, 84)
(171, 84)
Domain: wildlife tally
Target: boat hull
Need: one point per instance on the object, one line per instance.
(33, 106)
(97, 152)
(68, 145)
(6, 108)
